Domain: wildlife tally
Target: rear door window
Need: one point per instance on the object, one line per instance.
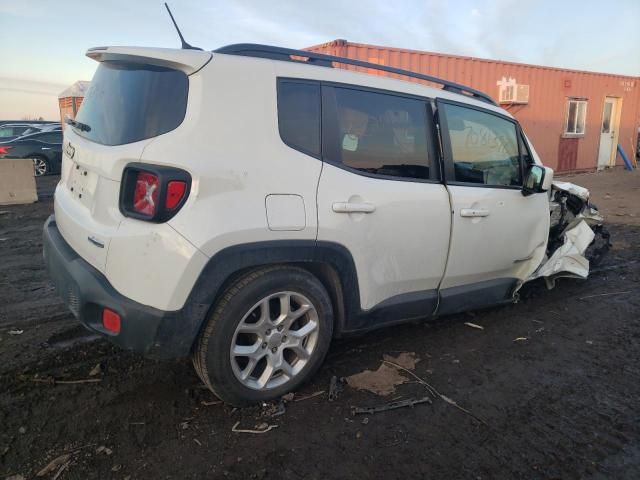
(375, 133)
(128, 102)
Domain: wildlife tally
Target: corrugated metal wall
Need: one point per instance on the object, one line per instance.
(69, 106)
(544, 117)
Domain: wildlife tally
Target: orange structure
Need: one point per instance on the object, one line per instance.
(575, 119)
(71, 98)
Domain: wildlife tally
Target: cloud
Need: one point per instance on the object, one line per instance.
(30, 86)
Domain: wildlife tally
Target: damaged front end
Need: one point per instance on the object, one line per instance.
(577, 238)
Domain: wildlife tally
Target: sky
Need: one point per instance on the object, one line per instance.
(43, 42)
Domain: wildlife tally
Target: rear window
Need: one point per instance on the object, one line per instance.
(128, 102)
(299, 115)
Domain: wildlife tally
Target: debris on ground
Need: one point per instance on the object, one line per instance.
(288, 397)
(436, 393)
(335, 388)
(104, 450)
(390, 406)
(16, 332)
(54, 381)
(274, 409)
(473, 325)
(54, 464)
(61, 469)
(97, 370)
(381, 381)
(307, 397)
(260, 428)
(405, 359)
(384, 380)
(520, 339)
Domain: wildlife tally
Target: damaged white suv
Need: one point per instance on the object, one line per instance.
(245, 206)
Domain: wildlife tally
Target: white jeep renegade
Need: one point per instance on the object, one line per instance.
(245, 206)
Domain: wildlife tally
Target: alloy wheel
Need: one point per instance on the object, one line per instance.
(40, 167)
(274, 340)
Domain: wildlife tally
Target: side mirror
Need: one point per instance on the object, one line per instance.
(537, 179)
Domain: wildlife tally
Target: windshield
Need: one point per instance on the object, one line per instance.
(128, 102)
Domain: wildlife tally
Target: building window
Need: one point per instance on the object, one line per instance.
(576, 117)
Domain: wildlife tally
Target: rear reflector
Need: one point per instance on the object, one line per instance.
(4, 150)
(145, 195)
(175, 193)
(111, 320)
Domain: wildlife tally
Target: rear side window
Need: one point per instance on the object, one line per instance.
(128, 102)
(299, 115)
(484, 147)
(376, 133)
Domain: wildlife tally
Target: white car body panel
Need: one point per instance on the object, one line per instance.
(508, 243)
(401, 247)
(236, 160)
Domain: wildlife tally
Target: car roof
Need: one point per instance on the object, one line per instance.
(31, 136)
(308, 59)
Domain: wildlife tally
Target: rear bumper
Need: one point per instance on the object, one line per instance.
(86, 291)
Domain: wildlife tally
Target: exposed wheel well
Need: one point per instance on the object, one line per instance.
(322, 271)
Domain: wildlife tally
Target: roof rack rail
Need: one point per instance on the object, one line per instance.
(322, 60)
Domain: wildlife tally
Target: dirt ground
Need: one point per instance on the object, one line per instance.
(561, 402)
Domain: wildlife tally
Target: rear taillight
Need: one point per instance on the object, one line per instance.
(4, 150)
(175, 193)
(153, 193)
(145, 196)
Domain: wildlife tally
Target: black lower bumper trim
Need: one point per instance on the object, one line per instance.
(86, 292)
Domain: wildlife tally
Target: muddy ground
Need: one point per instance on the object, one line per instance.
(562, 403)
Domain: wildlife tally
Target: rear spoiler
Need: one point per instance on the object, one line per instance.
(188, 61)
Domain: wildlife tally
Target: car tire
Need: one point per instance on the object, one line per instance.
(282, 318)
(41, 166)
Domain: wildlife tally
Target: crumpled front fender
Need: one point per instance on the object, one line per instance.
(576, 226)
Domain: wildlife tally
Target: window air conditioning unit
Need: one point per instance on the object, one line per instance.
(513, 93)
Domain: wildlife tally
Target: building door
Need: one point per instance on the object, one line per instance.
(608, 133)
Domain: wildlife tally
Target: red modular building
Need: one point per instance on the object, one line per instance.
(70, 100)
(575, 119)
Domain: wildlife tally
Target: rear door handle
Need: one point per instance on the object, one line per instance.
(347, 207)
(474, 212)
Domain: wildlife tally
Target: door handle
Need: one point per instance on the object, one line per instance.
(474, 212)
(347, 207)
(45, 148)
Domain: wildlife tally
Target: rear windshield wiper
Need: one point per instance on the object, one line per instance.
(83, 127)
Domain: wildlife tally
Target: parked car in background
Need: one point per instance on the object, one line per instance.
(45, 148)
(11, 131)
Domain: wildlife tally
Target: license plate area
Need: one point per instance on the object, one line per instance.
(82, 184)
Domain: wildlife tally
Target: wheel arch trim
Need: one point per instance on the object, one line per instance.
(332, 263)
